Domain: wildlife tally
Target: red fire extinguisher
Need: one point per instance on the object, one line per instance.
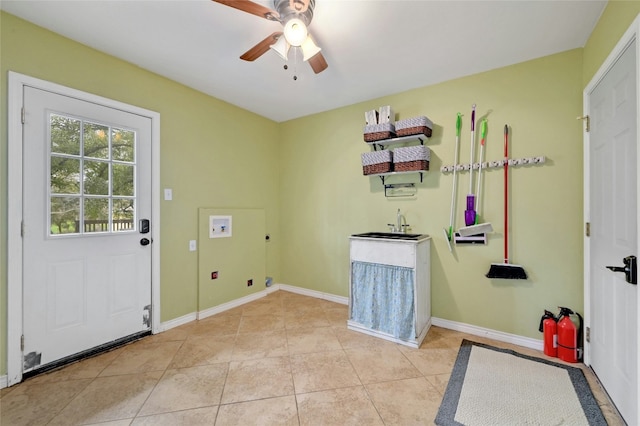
(549, 328)
(569, 336)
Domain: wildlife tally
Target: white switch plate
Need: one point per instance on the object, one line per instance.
(193, 245)
(168, 194)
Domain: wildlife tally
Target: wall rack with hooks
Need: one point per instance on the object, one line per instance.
(513, 162)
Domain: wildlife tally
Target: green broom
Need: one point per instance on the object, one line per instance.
(506, 270)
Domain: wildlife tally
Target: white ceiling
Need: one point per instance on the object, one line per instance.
(373, 47)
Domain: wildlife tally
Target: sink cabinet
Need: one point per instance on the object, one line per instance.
(390, 288)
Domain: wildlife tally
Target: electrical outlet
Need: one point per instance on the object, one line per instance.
(193, 246)
(249, 283)
(539, 160)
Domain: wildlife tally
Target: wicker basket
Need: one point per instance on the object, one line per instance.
(411, 158)
(375, 169)
(377, 162)
(408, 166)
(378, 132)
(414, 126)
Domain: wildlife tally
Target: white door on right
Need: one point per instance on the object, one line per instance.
(614, 228)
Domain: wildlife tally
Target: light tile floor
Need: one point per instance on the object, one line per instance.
(285, 359)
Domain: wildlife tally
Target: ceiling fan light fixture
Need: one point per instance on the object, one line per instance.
(295, 31)
(309, 49)
(281, 47)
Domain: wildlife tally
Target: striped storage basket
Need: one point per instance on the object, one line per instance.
(378, 132)
(414, 126)
(411, 158)
(377, 162)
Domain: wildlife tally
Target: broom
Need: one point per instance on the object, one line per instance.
(506, 270)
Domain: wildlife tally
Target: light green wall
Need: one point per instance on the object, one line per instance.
(615, 20)
(212, 153)
(325, 197)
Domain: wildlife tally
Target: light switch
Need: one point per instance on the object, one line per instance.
(168, 194)
(193, 245)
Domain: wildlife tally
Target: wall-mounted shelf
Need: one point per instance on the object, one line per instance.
(401, 139)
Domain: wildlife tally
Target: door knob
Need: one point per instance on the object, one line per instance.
(144, 242)
(630, 269)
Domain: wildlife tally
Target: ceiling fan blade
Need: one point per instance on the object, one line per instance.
(318, 63)
(261, 48)
(252, 8)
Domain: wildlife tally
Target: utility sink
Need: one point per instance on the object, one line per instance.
(391, 236)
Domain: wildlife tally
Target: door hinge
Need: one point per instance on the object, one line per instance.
(587, 229)
(22, 343)
(22, 115)
(587, 122)
(587, 335)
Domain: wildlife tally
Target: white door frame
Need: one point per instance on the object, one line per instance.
(633, 33)
(14, 215)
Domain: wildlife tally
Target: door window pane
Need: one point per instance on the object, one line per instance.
(96, 177)
(96, 140)
(122, 214)
(65, 175)
(96, 215)
(122, 179)
(65, 215)
(65, 135)
(122, 145)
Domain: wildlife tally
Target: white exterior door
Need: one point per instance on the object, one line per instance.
(86, 252)
(613, 195)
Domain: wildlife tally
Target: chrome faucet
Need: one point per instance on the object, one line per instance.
(402, 228)
(401, 224)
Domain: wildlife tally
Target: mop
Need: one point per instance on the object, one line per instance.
(449, 234)
(470, 212)
(478, 228)
(506, 270)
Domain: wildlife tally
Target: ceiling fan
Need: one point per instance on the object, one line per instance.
(295, 16)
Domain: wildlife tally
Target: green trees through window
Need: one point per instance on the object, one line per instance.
(91, 178)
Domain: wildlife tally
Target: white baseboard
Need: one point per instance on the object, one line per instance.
(230, 305)
(176, 322)
(500, 336)
(313, 293)
(3, 382)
